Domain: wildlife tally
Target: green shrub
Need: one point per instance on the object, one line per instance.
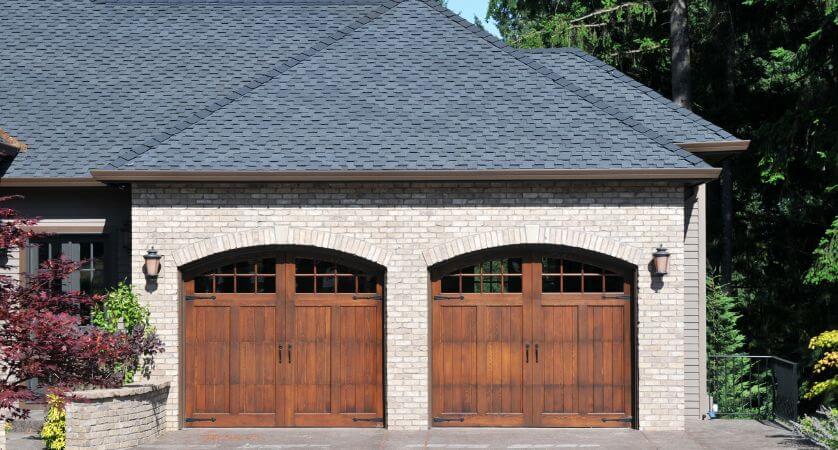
(53, 431)
(821, 430)
(122, 310)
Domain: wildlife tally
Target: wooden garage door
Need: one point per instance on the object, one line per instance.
(284, 340)
(536, 339)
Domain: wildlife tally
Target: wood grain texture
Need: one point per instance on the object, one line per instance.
(283, 359)
(531, 359)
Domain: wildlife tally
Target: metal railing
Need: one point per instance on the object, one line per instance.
(754, 387)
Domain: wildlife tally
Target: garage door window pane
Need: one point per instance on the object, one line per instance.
(450, 283)
(266, 285)
(346, 285)
(551, 283)
(471, 285)
(572, 283)
(325, 285)
(491, 284)
(225, 285)
(512, 284)
(203, 285)
(613, 284)
(245, 285)
(593, 283)
(304, 285)
(367, 284)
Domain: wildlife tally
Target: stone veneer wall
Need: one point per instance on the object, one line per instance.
(116, 418)
(408, 226)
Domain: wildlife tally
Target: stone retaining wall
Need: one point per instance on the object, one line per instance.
(116, 418)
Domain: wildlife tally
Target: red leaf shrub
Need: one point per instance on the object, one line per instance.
(46, 335)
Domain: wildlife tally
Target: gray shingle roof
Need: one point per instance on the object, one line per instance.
(81, 79)
(608, 84)
(301, 85)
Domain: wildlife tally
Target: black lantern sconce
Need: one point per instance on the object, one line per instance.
(152, 263)
(661, 261)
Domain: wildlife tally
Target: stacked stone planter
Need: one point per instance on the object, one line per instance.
(116, 418)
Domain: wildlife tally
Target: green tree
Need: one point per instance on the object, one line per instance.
(723, 334)
(766, 71)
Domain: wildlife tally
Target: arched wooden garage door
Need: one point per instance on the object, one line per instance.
(532, 338)
(284, 339)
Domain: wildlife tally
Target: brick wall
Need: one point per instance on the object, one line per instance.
(116, 418)
(407, 226)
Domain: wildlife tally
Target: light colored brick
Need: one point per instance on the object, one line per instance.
(406, 227)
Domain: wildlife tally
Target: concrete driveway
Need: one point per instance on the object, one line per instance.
(718, 434)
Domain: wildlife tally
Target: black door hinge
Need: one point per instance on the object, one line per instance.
(374, 419)
(443, 419)
(193, 419)
(196, 297)
(617, 297)
(366, 297)
(448, 297)
(621, 419)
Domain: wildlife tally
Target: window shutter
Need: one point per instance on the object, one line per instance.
(71, 251)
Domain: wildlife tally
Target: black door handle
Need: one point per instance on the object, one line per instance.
(526, 353)
(280, 353)
(289, 353)
(536, 353)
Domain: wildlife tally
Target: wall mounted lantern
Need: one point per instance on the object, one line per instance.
(152, 263)
(661, 261)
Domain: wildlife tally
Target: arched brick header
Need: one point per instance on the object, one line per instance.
(279, 235)
(536, 234)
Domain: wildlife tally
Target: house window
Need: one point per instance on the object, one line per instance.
(91, 276)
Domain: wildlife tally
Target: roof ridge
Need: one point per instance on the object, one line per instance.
(562, 81)
(647, 91)
(259, 79)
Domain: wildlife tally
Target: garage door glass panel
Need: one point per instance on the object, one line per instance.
(492, 276)
(561, 275)
(313, 276)
(243, 277)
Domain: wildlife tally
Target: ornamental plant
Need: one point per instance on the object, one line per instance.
(54, 432)
(822, 428)
(121, 311)
(46, 338)
(825, 348)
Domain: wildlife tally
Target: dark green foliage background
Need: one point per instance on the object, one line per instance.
(765, 70)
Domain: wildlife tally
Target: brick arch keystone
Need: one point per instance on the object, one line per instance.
(279, 235)
(535, 234)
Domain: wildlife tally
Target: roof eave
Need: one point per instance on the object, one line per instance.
(699, 148)
(685, 174)
(49, 182)
(714, 152)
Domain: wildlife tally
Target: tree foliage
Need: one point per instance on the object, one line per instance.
(723, 334)
(46, 337)
(765, 70)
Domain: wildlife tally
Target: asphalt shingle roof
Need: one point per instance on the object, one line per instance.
(80, 79)
(305, 85)
(608, 84)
